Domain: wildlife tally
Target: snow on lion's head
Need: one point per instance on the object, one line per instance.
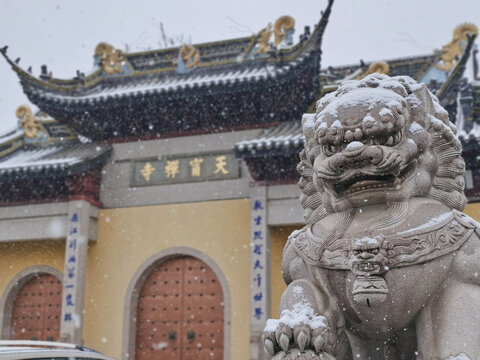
(379, 140)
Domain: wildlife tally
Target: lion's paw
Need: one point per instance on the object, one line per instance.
(296, 354)
(299, 332)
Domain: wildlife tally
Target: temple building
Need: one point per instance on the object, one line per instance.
(145, 207)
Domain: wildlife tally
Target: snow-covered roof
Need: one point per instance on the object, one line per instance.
(68, 156)
(285, 135)
(165, 83)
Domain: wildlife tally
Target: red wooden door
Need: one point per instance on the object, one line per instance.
(37, 310)
(180, 312)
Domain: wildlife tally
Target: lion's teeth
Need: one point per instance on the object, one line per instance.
(397, 137)
(390, 141)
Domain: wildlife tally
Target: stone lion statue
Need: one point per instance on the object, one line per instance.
(387, 266)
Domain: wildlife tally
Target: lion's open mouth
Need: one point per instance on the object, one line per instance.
(363, 182)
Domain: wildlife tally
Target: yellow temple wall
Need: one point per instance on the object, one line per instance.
(278, 239)
(128, 237)
(473, 210)
(20, 255)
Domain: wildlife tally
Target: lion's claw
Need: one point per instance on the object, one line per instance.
(318, 343)
(283, 335)
(302, 339)
(269, 346)
(324, 339)
(283, 342)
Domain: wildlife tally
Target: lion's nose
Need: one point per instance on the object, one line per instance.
(338, 162)
(373, 154)
(365, 255)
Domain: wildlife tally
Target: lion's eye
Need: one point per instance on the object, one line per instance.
(329, 150)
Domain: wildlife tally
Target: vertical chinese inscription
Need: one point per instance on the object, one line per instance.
(259, 261)
(74, 271)
(70, 273)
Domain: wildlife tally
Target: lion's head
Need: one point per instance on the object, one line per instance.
(379, 140)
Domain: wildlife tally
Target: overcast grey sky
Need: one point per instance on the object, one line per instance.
(63, 34)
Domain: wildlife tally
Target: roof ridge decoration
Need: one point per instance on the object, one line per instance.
(28, 121)
(111, 60)
(283, 37)
(284, 29)
(380, 67)
(428, 69)
(455, 48)
(187, 59)
(445, 92)
(34, 129)
(262, 45)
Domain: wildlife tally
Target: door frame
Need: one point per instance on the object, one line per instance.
(137, 281)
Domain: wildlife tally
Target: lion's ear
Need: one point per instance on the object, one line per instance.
(311, 198)
(440, 112)
(421, 104)
(308, 126)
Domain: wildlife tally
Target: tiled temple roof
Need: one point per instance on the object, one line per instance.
(157, 70)
(67, 158)
(203, 78)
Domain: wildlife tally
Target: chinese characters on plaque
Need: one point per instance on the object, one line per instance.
(181, 169)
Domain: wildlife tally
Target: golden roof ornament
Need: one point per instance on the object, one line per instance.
(454, 49)
(282, 26)
(188, 57)
(110, 59)
(380, 67)
(281, 29)
(263, 38)
(28, 121)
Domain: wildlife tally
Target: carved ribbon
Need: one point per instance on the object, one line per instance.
(409, 247)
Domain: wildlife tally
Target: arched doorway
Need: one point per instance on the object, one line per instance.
(37, 309)
(180, 312)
